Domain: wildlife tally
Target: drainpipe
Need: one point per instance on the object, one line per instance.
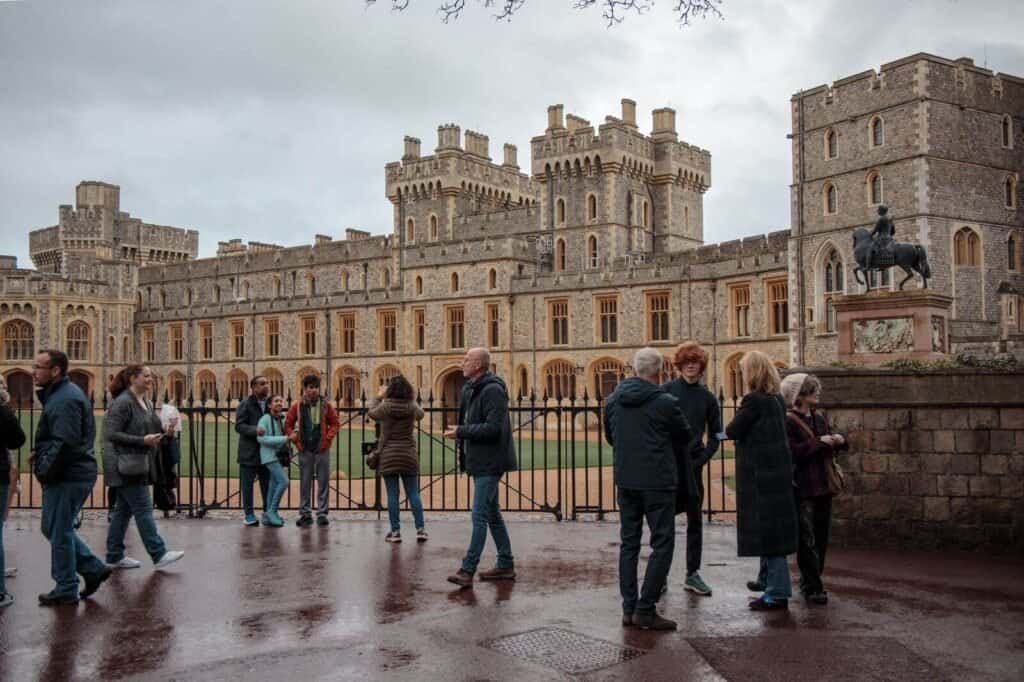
(800, 284)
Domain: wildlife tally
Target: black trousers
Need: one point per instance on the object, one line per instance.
(695, 526)
(815, 525)
(659, 508)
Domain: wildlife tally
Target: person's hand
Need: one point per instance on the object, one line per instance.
(450, 432)
(837, 439)
(382, 391)
(828, 440)
(260, 430)
(151, 439)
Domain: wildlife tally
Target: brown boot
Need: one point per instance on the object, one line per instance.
(498, 574)
(462, 579)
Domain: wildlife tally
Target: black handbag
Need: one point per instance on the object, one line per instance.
(284, 452)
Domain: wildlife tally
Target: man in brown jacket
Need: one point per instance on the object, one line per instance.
(311, 424)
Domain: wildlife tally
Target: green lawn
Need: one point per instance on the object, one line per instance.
(217, 443)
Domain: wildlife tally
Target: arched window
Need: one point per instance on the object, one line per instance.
(419, 285)
(78, 341)
(410, 230)
(560, 255)
(385, 278)
(433, 227)
(455, 282)
(591, 207)
(238, 384)
(831, 146)
(560, 379)
(246, 290)
(1007, 132)
(560, 211)
(163, 298)
(966, 247)
(734, 388)
(344, 280)
(384, 374)
(188, 296)
(349, 385)
(216, 293)
(833, 286)
(492, 279)
(874, 188)
(1010, 192)
(1011, 253)
(111, 347)
(176, 387)
(125, 349)
(593, 259)
(524, 383)
(206, 382)
(831, 199)
(276, 381)
(607, 375)
(877, 132)
(277, 287)
(310, 284)
(19, 340)
(646, 222)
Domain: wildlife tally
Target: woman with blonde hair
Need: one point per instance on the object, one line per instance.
(766, 523)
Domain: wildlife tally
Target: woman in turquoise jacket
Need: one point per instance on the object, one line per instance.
(271, 441)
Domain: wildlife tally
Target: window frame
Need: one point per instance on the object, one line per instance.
(650, 321)
(739, 310)
(559, 322)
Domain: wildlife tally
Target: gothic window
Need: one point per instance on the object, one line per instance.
(877, 132)
(1007, 132)
(205, 340)
(1011, 253)
(207, 384)
(493, 325)
(410, 230)
(78, 341)
(560, 211)
(874, 188)
(831, 146)
(657, 316)
(238, 384)
(276, 381)
(348, 333)
(607, 374)
(1010, 192)
(455, 282)
(778, 307)
(966, 247)
(608, 319)
(419, 285)
(740, 307)
(492, 279)
(385, 278)
(560, 379)
(456, 328)
(19, 340)
(646, 215)
(558, 315)
(433, 227)
(177, 343)
(560, 255)
(591, 208)
(310, 284)
(387, 325)
(307, 329)
(734, 388)
(272, 337)
(833, 274)
(831, 199)
(419, 328)
(593, 260)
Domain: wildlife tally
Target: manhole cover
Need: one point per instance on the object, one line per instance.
(563, 650)
(798, 657)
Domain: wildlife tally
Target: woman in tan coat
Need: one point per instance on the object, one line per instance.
(396, 411)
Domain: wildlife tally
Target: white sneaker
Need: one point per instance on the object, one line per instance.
(126, 562)
(168, 558)
(11, 572)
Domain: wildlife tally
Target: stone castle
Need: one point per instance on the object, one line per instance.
(563, 272)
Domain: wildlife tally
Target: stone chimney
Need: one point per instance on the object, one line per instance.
(510, 157)
(555, 112)
(323, 238)
(449, 137)
(8, 262)
(354, 235)
(629, 112)
(664, 125)
(574, 123)
(478, 144)
(412, 148)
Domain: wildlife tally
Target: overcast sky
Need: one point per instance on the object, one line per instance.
(272, 121)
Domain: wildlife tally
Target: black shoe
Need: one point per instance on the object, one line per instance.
(92, 583)
(51, 599)
(304, 521)
(817, 598)
(627, 620)
(652, 621)
(755, 586)
(322, 521)
(760, 604)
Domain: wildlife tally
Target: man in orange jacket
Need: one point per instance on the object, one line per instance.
(312, 424)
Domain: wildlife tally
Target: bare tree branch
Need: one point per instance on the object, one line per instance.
(613, 10)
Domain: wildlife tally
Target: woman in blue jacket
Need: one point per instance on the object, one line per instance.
(272, 440)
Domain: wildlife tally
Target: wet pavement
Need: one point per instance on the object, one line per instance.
(338, 603)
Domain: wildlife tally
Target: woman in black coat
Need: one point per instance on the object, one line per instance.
(766, 523)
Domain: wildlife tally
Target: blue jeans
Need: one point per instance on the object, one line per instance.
(774, 575)
(486, 514)
(411, 483)
(4, 487)
(278, 484)
(68, 554)
(133, 501)
(247, 475)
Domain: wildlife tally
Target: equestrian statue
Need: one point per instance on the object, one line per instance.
(876, 250)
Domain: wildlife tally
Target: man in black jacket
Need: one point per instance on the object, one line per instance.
(247, 419)
(484, 435)
(705, 418)
(642, 422)
(64, 461)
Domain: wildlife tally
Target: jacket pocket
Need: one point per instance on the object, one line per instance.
(133, 463)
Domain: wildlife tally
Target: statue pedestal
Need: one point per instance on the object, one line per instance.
(883, 326)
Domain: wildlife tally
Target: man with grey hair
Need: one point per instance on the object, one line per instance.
(486, 451)
(641, 422)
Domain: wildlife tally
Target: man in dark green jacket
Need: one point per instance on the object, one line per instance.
(65, 464)
(484, 435)
(642, 422)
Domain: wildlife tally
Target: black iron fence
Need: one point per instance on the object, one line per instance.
(565, 465)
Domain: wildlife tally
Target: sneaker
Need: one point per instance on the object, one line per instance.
(652, 621)
(755, 586)
(126, 562)
(497, 573)
(10, 572)
(251, 520)
(167, 559)
(53, 599)
(818, 598)
(763, 603)
(322, 521)
(92, 583)
(304, 521)
(421, 535)
(273, 519)
(627, 620)
(462, 579)
(6, 599)
(393, 537)
(696, 585)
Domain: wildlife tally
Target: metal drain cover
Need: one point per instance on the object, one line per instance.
(564, 650)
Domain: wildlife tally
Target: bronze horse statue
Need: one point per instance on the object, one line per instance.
(911, 257)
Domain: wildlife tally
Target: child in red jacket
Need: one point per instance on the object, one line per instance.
(312, 424)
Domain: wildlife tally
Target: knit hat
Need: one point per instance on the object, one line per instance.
(791, 386)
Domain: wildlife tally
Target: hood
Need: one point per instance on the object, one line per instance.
(399, 409)
(635, 391)
(489, 378)
(791, 386)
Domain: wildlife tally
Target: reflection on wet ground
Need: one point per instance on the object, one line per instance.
(339, 603)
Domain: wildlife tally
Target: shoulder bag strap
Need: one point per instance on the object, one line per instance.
(790, 415)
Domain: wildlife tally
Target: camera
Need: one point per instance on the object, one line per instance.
(369, 447)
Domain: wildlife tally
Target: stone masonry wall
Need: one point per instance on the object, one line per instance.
(936, 460)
